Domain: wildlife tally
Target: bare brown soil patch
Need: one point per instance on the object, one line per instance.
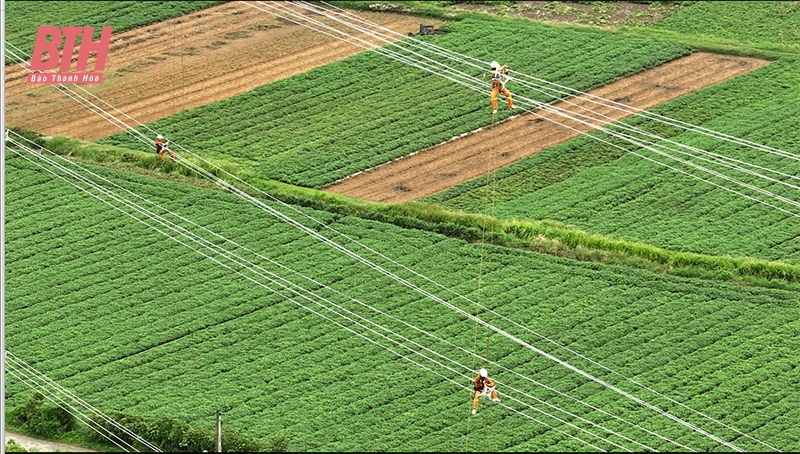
(183, 63)
(461, 160)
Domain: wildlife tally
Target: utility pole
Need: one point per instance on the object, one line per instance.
(219, 432)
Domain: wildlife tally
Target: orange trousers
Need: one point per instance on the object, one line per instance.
(477, 394)
(166, 150)
(498, 89)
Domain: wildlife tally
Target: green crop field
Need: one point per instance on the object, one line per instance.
(745, 22)
(122, 315)
(596, 187)
(315, 128)
(287, 335)
(24, 17)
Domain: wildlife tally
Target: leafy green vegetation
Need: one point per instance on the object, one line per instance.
(747, 22)
(631, 27)
(317, 127)
(13, 446)
(41, 419)
(120, 314)
(24, 17)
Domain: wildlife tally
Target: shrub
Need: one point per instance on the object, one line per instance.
(41, 418)
(13, 446)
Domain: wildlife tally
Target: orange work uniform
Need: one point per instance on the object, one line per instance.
(497, 87)
(161, 148)
(479, 384)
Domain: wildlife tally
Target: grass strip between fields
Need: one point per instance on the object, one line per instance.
(542, 236)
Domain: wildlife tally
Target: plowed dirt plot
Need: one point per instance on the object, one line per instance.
(186, 62)
(463, 159)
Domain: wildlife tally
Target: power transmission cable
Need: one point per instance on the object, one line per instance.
(546, 106)
(668, 416)
(67, 401)
(712, 183)
(412, 341)
(564, 90)
(49, 382)
(516, 400)
(370, 307)
(622, 125)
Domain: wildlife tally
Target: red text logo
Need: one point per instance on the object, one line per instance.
(68, 35)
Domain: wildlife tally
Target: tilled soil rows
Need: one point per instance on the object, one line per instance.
(186, 62)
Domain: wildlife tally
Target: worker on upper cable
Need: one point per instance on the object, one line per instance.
(483, 386)
(499, 85)
(161, 148)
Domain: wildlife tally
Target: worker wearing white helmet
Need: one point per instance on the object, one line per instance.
(161, 147)
(499, 85)
(483, 385)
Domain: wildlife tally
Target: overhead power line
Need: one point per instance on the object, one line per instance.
(212, 180)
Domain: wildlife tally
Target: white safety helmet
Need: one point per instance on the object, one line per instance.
(484, 373)
(494, 65)
(160, 137)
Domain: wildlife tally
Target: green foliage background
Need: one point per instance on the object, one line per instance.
(119, 314)
(749, 22)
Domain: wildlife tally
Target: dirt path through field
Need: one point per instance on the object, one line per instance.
(183, 63)
(36, 445)
(463, 159)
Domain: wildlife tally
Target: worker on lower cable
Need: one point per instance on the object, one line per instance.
(161, 147)
(483, 385)
(499, 85)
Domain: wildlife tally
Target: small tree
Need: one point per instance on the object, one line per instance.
(41, 418)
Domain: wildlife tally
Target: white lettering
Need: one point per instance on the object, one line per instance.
(37, 78)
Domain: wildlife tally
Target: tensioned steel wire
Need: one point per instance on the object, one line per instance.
(557, 89)
(649, 389)
(181, 147)
(681, 171)
(214, 177)
(495, 329)
(201, 169)
(49, 382)
(218, 250)
(725, 177)
(424, 332)
(20, 56)
(436, 338)
(572, 116)
(673, 400)
(672, 122)
(67, 401)
(359, 302)
(636, 130)
(30, 382)
(666, 414)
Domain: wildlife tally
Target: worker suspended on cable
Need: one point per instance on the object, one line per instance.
(483, 386)
(161, 147)
(499, 85)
